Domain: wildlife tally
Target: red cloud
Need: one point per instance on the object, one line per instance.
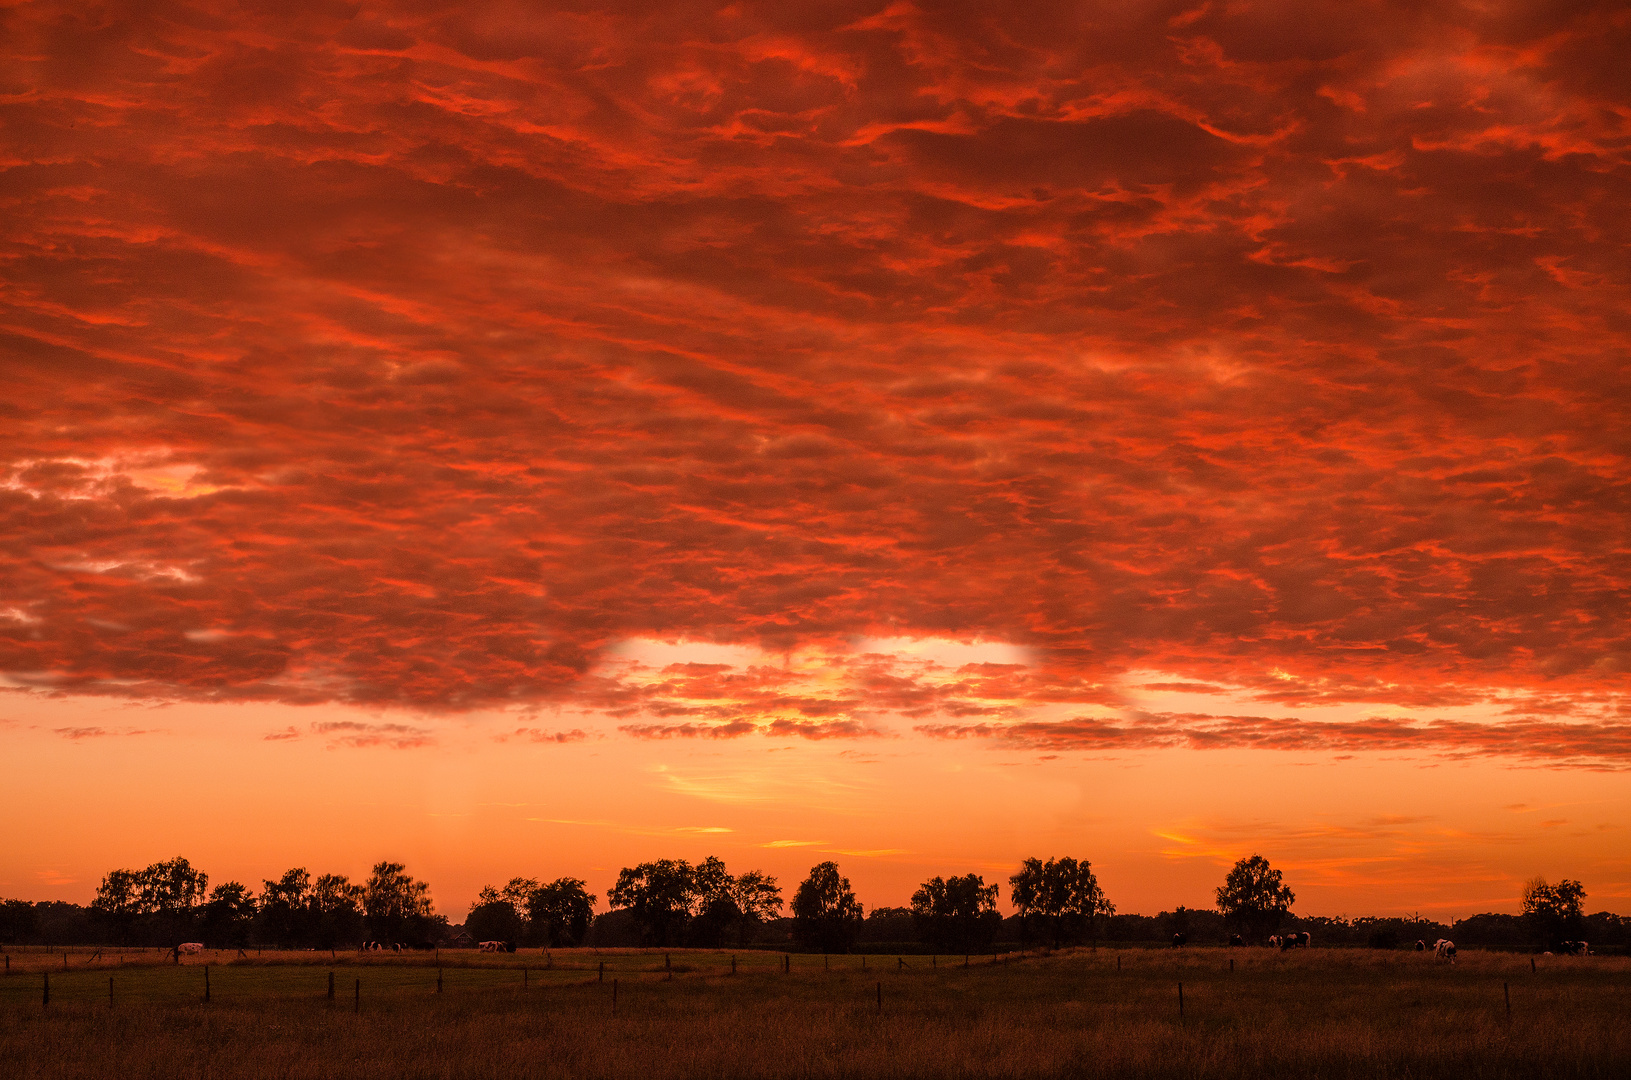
(352, 733)
(414, 358)
(540, 735)
(1600, 745)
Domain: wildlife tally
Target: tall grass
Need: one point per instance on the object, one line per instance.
(1316, 1013)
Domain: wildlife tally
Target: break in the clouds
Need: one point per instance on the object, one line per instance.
(426, 355)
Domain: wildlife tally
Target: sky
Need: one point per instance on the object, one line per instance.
(530, 439)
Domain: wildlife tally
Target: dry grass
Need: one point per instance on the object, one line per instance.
(1318, 1013)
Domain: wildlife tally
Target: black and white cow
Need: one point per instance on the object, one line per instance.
(1236, 941)
(1296, 941)
(1421, 946)
(1576, 948)
(1180, 940)
(1444, 949)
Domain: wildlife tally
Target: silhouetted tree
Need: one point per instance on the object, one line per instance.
(116, 904)
(285, 913)
(336, 905)
(560, 912)
(171, 889)
(826, 914)
(727, 907)
(957, 914)
(1253, 898)
(1061, 897)
(229, 914)
(659, 895)
(396, 907)
(493, 917)
(758, 896)
(159, 904)
(672, 901)
(1555, 912)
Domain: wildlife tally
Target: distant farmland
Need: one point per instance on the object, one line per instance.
(1329, 1013)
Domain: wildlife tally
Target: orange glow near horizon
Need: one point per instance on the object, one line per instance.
(525, 440)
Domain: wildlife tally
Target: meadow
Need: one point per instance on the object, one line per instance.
(1075, 1013)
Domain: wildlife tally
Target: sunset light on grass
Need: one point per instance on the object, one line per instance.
(537, 439)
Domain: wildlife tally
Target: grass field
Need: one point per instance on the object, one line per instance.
(1312, 1013)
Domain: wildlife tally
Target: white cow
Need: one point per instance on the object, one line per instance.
(492, 946)
(1444, 949)
(190, 947)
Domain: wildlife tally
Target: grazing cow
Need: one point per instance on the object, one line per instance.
(1180, 940)
(190, 947)
(1444, 949)
(1235, 940)
(498, 946)
(1296, 941)
(1421, 946)
(1576, 948)
(1274, 941)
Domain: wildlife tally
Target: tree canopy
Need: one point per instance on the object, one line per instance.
(1554, 911)
(826, 914)
(1253, 896)
(397, 908)
(528, 912)
(956, 914)
(674, 902)
(1060, 897)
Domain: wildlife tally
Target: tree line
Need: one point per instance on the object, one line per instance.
(674, 903)
(171, 901)
(671, 902)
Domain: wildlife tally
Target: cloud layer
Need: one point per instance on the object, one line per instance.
(419, 356)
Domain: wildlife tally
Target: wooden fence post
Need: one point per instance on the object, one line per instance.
(438, 980)
(110, 991)
(1531, 965)
(880, 999)
(733, 965)
(1180, 1001)
(331, 987)
(787, 964)
(603, 972)
(1506, 992)
(46, 999)
(614, 997)
(357, 1001)
(206, 984)
(525, 974)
